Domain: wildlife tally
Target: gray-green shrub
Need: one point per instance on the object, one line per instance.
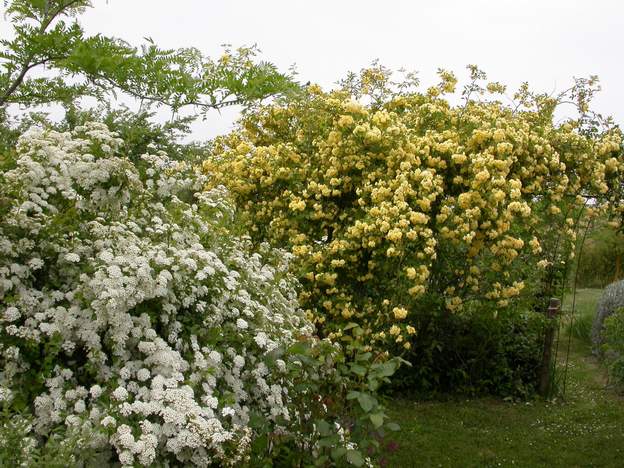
(613, 346)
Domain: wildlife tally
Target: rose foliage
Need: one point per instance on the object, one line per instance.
(135, 329)
(396, 202)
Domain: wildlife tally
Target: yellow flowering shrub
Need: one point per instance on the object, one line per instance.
(394, 200)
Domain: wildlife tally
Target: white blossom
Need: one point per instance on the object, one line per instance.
(11, 314)
(120, 394)
(143, 374)
(79, 406)
(72, 257)
(108, 421)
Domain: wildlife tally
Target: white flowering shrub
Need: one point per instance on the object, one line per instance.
(133, 325)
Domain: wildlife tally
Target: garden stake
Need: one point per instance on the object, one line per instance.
(545, 371)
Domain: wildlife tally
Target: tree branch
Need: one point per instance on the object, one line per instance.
(28, 64)
(160, 100)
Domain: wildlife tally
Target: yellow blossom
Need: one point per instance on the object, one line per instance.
(399, 313)
(345, 121)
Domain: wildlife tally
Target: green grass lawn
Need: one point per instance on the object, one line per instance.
(583, 429)
(585, 302)
(578, 322)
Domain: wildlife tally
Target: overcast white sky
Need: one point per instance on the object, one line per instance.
(545, 42)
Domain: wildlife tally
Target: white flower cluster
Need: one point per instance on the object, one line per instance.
(149, 326)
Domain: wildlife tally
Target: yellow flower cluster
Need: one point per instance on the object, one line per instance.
(385, 204)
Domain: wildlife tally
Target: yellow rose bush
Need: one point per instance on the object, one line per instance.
(395, 201)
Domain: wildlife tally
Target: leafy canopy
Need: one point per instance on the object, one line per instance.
(46, 33)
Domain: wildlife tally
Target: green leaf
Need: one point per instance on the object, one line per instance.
(393, 427)
(354, 457)
(385, 369)
(338, 452)
(300, 347)
(363, 357)
(323, 427)
(373, 385)
(321, 461)
(358, 370)
(367, 402)
(377, 419)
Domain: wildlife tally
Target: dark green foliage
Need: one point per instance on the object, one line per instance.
(474, 354)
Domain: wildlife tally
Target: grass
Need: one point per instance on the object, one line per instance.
(583, 429)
